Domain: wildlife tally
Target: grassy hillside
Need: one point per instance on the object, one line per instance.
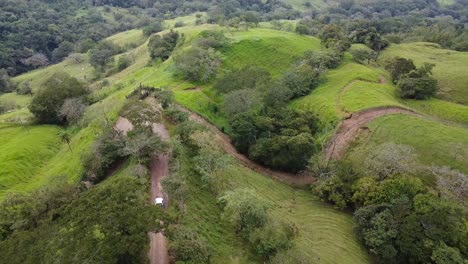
(323, 100)
(128, 38)
(450, 67)
(24, 150)
(435, 143)
(83, 71)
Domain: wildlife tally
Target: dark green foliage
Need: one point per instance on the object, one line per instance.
(363, 55)
(165, 97)
(370, 37)
(301, 79)
(413, 83)
(6, 84)
(333, 37)
(197, 64)
(162, 46)
(323, 60)
(399, 67)
(417, 88)
(271, 238)
(102, 54)
(152, 28)
(63, 50)
(240, 101)
(282, 140)
(176, 115)
(248, 77)
(46, 104)
(106, 224)
(188, 246)
(123, 63)
(211, 39)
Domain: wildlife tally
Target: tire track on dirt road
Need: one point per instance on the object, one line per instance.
(158, 253)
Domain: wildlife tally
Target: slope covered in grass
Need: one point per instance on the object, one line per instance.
(450, 67)
(24, 150)
(83, 71)
(270, 49)
(434, 142)
(323, 100)
(127, 38)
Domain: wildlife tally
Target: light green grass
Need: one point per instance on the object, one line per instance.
(20, 101)
(24, 150)
(435, 143)
(82, 71)
(270, 49)
(363, 95)
(450, 69)
(325, 234)
(441, 109)
(323, 100)
(300, 4)
(127, 38)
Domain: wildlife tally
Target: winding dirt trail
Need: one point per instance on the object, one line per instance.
(289, 178)
(158, 253)
(354, 123)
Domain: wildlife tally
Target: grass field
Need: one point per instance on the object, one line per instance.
(441, 109)
(363, 95)
(450, 67)
(435, 143)
(323, 100)
(128, 38)
(82, 71)
(24, 150)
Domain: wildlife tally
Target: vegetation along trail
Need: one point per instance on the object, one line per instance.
(290, 178)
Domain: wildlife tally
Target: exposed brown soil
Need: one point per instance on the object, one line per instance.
(158, 249)
(290, 178)
(123, 125)
(159, 169)
(349, 128)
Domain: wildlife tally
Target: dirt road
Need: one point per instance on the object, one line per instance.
(159, 169)
(290, 178)
(350, 128)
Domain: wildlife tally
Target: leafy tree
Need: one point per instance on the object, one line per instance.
(248, 77)
(189, 247)
(47, 102)
(399, 67)
(123, 63)
(417, 88)
(154, 27)
(277, 96)
(62, 51)
(143, 145)
(301, 79)
(444, 254)
(292, 255)
(240, 101)
(272, 237)
(36, 60)
(197, 64)
(244, 210)
(323, 60)
(72, 110)
(162, 46)
(103, 54)
(6, 84)
(363, 55)
(211, 39)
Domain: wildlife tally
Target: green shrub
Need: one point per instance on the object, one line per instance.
(46, 104)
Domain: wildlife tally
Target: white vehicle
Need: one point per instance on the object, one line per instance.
(159, 201)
